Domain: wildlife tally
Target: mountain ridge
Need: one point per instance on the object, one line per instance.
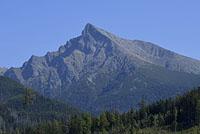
(74, 72)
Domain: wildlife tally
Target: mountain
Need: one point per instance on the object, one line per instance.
(20, 106)
(99, 71)
(2, 71)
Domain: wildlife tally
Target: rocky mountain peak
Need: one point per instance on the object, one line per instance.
(98, 34)
(89, 28)
(98, 65)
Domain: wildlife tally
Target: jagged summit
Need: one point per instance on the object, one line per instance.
(99, 33)
(144, 51)
(99, 71)
(89, 28)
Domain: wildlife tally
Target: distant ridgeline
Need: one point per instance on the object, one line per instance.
(21, 107)
(180, 114)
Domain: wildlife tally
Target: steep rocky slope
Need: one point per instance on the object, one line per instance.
(100, 71)
(2, 71)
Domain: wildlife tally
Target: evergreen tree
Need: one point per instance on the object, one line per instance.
(86, 123)
(104, 124)
(197, 113)
(175, 119)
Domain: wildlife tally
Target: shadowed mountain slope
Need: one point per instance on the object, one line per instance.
(20, 106)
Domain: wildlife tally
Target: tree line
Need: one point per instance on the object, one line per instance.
(170, 115)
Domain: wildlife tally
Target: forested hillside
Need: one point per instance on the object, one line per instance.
(180, 114)
(23, 111)
(21, 107)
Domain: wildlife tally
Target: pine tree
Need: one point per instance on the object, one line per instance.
(75, 126)
(197, 112)
(103, 121)
(28, 100)
(86, 123)
(175, 119)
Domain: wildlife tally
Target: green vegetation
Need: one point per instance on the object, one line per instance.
(21, 107)
(179, 115)
(23, 111)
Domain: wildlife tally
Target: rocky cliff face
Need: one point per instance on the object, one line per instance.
(100, 71)
(2, 71)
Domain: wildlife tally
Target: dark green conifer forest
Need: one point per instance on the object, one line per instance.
(23, 111)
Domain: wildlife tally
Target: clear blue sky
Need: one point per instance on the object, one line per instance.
(34, 27)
